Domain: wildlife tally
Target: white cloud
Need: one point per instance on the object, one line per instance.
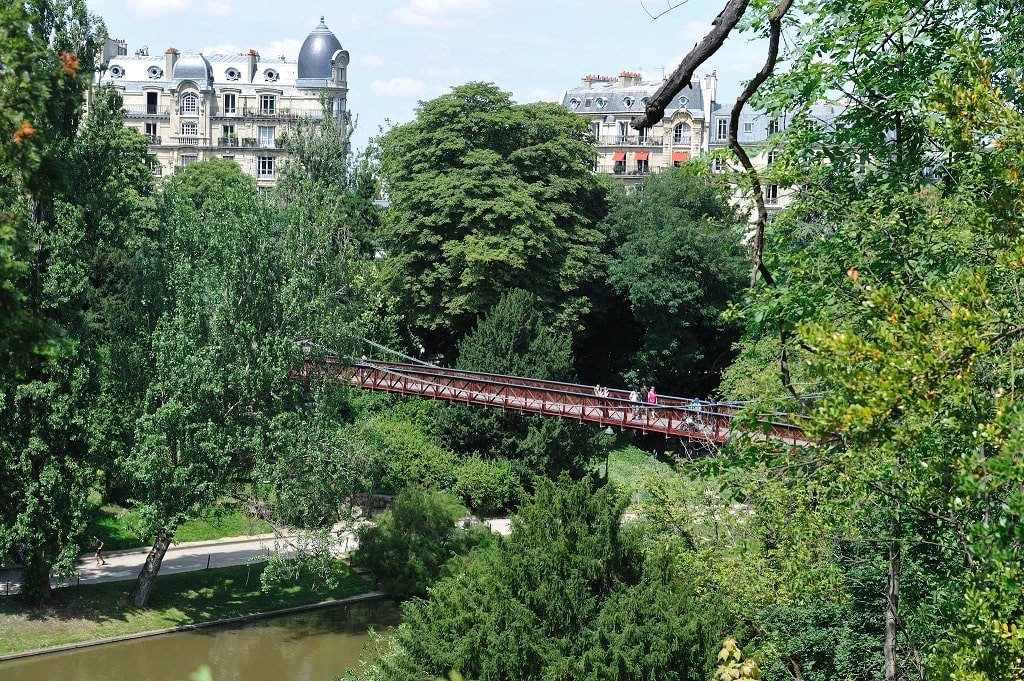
(399, 86)
(440, 13)
(226, 48)
(218, 9)
(289, 48)
(371, 60)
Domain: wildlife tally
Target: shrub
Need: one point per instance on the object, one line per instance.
(487, 486)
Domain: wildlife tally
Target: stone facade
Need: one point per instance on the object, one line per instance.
(694, 125)
(194, 107)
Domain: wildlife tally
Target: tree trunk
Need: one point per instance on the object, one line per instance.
(147, 576)
(35, 581)
(892, 603)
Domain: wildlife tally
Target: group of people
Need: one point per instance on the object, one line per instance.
(636, 397)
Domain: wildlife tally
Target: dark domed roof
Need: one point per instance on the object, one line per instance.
(193, 66)
(317, 50)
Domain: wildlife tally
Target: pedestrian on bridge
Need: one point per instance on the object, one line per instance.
(634, 399)
(652, 397)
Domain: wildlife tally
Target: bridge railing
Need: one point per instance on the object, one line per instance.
(550, 398)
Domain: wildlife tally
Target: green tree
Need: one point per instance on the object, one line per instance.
(905, 301)
(678, 262)
(514, 339)
(411, 541)
(487, 196)
(51, 417)
(569, 594)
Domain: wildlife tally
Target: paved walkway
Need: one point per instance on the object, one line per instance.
(184, 557)
(181, 557)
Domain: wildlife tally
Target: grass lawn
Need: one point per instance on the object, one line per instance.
(96, 611)
(629, 468)
(116, 527)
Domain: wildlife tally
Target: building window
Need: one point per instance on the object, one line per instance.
(188, 159)
(771, 158)
(233, 74)
(266, 136)
(268, 105)
(773, 126)
(588, 102)
(190, 128)
(116, 71)
(574, 103)
(595, 130)
(151, 103)
(723, 129)
(601, 102)
(628, 101)
(228, 157)
(270, 75)
(265, 166)
(642, 166)
(643, 134)
(190, 104)
(229, 138)
(623, 131)
(748, 128)
(155, 72)
(229, 104)
(151, 133)
(771, 194)
(681, 134)
(718, 166)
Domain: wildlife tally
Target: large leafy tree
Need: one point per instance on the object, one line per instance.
(54, 434)
(902, 289)
(487, 196)
(678, 262)
(569, 594)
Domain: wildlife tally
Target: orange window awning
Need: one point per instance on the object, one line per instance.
(680, 156)
(642, 155)
(619, 156)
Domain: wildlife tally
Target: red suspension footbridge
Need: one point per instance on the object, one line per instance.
(672, 416)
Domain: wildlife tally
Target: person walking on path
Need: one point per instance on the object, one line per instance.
(98, 545)
(652, 397)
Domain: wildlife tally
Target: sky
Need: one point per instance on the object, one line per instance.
(406, 51)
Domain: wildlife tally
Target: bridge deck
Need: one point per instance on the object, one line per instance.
(672, 416)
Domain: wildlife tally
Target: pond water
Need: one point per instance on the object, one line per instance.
(312, 646)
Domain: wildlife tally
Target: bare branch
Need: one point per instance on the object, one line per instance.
(680, 78)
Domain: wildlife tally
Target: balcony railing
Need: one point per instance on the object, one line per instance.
(681, 140)
(153, 139)
(630, 140)
(277, 113)
(189, 140)
(133, 111)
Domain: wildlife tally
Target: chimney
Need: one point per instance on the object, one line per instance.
(170, 59)
(587, 81)
(252, 56)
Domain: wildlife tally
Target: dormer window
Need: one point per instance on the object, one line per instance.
(155, 72)
(232, 74)
(683, 101)
(601, 102)
(190, 104)
(628, 101)
(117, 71)
(270, 75)
(574, 103)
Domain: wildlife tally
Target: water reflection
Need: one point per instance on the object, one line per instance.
(313, 646)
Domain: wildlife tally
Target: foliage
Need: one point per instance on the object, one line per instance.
(58, 325)
(401, 454)
(678, 262)
(567, 595)
(411, 541)
(513, 339)
(487, 196)
(487, 486)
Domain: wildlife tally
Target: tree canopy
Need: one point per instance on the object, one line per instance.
(487, 196)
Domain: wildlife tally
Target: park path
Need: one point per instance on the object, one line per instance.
(184, 557)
